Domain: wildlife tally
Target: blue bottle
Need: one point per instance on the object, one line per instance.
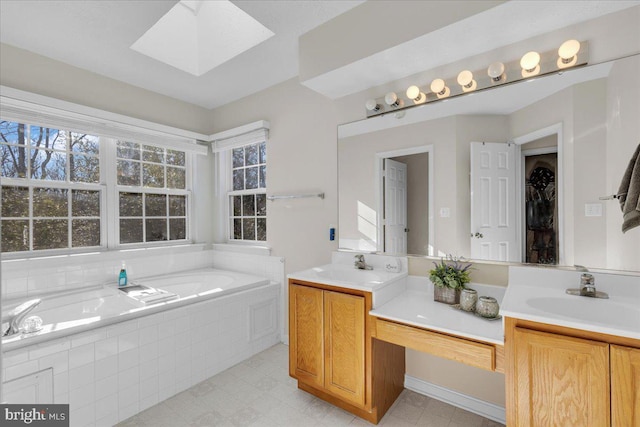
(122, 278)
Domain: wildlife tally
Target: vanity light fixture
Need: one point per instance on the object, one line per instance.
(465, 79)
(415, 95)
(568, 53)
(571, 54)
(496, 71)
(530, 64)
(439, 87)
(392, 100)
(372, 105)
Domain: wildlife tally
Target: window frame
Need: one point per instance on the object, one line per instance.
(109, 195)
(230, 193)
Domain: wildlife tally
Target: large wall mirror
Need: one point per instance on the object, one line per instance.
(520, 173)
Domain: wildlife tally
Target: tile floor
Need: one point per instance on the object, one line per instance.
(259, 392)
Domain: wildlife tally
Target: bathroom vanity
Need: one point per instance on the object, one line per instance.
(348, 330)
(571, 360)
(331, 350)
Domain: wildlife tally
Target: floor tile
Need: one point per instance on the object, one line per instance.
(259, 393)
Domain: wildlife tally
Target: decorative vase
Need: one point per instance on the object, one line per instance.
(487, 307)
(468, 298)
(446, 295)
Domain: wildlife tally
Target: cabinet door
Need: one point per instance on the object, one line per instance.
(625, 386)
(560, 381)
(344, 334)
(305, 335)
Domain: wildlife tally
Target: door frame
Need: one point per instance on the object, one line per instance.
(555, 129)
(379, 192)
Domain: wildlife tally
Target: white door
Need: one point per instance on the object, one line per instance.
(494, 231)
(395, 207)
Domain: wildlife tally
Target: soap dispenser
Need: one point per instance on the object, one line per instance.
(122, 277)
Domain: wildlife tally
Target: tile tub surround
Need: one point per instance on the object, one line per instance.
(28, 277)
(259, 392)
(111, 373)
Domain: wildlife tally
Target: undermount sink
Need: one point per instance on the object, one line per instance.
(591, 309)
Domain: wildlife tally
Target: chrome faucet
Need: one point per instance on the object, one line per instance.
(15, 317)
(360, 264)
(587, 286)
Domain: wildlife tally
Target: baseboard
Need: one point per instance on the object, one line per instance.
(463, 401)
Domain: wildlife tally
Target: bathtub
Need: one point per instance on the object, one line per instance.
(72, 312)
(110, 357)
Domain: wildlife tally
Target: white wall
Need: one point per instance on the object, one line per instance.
(301, 155)
(623, 136)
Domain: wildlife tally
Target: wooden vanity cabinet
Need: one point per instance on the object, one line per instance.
(332, 353)
(559, 376)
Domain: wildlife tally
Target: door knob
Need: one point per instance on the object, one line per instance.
(477, 235)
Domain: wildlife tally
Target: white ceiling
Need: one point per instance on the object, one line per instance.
(97, 35)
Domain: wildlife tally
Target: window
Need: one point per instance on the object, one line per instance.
(55, 184)
(152, 193)
(51, 192)
(248, 198)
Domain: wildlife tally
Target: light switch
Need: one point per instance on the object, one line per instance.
(445, 212)
(593, 209)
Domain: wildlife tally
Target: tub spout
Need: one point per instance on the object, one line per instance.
(15, 316)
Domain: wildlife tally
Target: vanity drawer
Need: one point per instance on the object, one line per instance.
(459, 349)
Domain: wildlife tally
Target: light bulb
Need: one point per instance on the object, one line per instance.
(391, 99)
(495, 71)
(372, 105)
(530, 61)
(438, 86)
(568, 50)
(414, 93)
(568, 54)
(465, 79)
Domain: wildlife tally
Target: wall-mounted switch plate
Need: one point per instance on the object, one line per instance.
(593, 209)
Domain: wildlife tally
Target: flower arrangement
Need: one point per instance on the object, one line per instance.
(449, 278)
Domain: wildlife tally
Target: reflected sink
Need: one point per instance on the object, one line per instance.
(587, 309)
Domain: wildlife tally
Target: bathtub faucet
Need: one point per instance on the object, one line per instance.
(15, 316)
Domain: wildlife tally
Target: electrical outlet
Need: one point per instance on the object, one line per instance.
(445, 212)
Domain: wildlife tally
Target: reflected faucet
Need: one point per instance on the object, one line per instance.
(15, 317)
(360, 264)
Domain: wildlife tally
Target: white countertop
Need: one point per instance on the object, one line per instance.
(347, 276)
(415, 306)
(538, 294)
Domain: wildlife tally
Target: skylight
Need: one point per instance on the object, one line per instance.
(198, 35)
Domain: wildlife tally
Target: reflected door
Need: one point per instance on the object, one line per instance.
(494, 232)
(395, 207)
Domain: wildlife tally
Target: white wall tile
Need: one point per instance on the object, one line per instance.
(81, 355)
(105, 406)
(128, 359)
(106, 367)
(106, 347)
(81, 376)
(107, 386)
(20, 370)
(82, 396)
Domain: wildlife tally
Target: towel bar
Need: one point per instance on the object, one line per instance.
(296, 196)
